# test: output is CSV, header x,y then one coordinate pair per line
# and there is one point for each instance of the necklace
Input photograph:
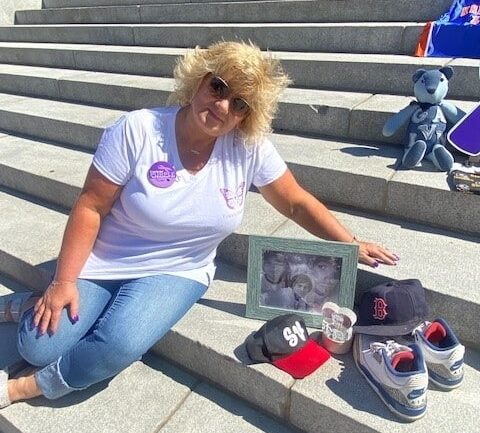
x,y
194,151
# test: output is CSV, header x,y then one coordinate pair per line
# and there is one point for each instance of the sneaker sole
x,y
442,385
379,393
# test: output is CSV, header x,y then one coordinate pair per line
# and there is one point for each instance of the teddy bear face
x,y
431,86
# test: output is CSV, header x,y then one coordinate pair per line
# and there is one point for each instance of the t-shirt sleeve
x,y
269,164
116,153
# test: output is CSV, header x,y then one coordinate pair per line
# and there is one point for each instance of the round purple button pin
x,y
162,174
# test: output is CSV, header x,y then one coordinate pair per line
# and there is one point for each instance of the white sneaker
x,y
397,373
443,353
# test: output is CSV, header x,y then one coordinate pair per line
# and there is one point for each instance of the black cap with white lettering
x,y
284,342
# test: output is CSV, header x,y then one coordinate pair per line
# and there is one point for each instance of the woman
x,y
165,188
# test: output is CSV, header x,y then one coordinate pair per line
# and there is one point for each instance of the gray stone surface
x,y
8,8
140,399
119,35
121,91
371,73
335,396
62,122
85,3
239,12
30,238
209,341
40,170
430,195
357,116
208,410
364,177
317,111
96,15
468,70
155,61
410,38
383,38
324,10
340,172
25,53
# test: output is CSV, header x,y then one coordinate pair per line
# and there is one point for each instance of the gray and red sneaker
x,y
443,353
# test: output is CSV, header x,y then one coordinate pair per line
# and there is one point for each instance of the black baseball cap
x,y
393,308
284,342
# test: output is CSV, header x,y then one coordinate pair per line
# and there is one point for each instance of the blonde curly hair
x,y
252,75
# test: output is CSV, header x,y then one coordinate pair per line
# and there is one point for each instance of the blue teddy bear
x,y
427,119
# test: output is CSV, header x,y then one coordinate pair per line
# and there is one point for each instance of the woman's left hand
x,y
373,255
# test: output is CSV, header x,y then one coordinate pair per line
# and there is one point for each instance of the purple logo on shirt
x,y
162,174
233,199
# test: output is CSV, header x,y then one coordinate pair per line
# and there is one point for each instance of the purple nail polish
x,y
75,319
397,257
375,265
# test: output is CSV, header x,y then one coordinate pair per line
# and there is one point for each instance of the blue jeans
x,y
118,322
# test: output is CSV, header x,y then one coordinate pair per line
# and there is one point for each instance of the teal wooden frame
x,y
347,252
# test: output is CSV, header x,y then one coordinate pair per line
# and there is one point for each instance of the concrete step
x,y
66,123
276,11
209,342
334,398
328,169
149,395
388,74
380,38
52,4
346,115
30,238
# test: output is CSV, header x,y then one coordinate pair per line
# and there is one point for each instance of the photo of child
x,y
274,283
299,282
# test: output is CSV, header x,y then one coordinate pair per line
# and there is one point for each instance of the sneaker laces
x,y
421,327
390,347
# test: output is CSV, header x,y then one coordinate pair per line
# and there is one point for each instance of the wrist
x,y
57,282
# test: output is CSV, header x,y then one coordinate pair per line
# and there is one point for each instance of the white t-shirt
x,y
167,220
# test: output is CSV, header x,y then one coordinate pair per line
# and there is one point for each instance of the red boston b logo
x,y
379,309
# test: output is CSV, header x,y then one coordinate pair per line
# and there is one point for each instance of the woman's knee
x,y
36,354
35,349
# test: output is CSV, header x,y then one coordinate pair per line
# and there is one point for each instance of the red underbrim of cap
x,y
303,362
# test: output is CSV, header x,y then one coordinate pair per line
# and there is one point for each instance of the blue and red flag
x,y
455,34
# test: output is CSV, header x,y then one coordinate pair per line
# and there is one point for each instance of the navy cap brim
x,y
388,330
254,347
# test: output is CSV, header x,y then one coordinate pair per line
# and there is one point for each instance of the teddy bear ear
x,y
447,71
418,73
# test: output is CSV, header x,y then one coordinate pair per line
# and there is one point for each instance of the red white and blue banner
x,y
455,34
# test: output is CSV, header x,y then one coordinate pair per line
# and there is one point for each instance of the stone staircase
x,y
75,66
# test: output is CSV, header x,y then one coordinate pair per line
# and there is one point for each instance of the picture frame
x,y
299,276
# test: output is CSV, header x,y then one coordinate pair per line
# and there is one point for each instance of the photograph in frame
x,y
299,276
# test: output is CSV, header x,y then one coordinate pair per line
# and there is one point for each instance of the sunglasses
x,y
220,89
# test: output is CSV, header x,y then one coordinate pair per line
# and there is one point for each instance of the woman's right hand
x,y
49,307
